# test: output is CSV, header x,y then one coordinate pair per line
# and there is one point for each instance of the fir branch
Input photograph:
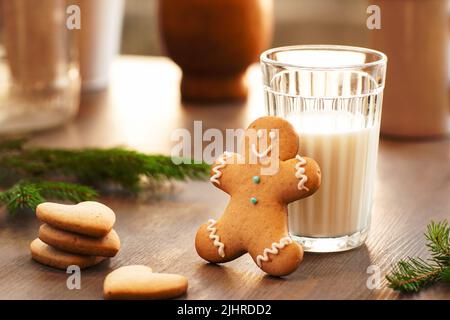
x,y
438,241
92,166
413,274
21,196
445,274
13,144
27,195
29,174
65,191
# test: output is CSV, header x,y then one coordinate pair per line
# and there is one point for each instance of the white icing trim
x,y
260,133
262,154
276,247
213,236
300,173
222,164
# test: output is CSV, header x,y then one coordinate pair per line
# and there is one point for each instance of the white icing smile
x,y
263,154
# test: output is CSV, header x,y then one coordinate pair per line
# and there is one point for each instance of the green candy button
x,y
253,200
256,179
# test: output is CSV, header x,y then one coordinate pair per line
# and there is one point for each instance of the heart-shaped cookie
x,y
139,282
108,246
88,218
52,257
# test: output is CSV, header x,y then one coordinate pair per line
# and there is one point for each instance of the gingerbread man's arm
x,y
223,170
300,176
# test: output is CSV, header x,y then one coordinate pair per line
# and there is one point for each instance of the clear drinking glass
x,y
39,78
332,95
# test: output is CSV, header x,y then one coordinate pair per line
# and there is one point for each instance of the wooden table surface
x,y
140,110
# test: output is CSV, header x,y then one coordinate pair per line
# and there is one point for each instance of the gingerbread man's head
x,y
266,134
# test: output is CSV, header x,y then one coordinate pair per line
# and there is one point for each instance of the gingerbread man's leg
x,y
213,243
278,257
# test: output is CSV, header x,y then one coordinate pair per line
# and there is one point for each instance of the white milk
x,y
346,152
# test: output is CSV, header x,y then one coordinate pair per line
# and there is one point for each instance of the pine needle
x,y
20,197
413,274
27,195
65,191
116,165
437,236
27,175
445,274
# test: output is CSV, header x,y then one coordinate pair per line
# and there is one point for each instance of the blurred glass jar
x,y
39,77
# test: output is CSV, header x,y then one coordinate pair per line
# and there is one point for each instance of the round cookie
x,y
139,282
108,246
43,253
89,218
255,220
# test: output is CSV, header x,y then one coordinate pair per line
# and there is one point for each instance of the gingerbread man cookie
x,y
255,220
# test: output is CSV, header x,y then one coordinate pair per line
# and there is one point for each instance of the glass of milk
x,y
332,95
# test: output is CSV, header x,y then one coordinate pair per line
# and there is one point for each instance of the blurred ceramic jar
x,y
413,35
214,42
39,78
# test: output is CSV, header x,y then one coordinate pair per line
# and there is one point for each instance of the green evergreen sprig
x,y
438,241
29,176
25,195
412,274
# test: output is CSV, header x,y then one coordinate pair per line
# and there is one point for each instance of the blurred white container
x,y
101,29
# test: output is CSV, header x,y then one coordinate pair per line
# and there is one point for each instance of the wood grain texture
x,y
140,110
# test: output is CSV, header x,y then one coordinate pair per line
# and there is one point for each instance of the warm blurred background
x,y
296,22
214,44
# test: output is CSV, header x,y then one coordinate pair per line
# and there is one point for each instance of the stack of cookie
x,y
80,235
